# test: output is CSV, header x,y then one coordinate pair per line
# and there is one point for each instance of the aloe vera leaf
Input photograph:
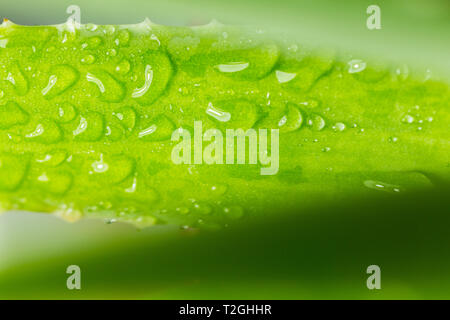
x,y
95,107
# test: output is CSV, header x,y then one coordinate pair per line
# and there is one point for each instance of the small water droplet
x,y
408,119
148,74
182,210
111,89
123,67
61,79
233,67
339,126
47,131
89,59
90,127
220,115
157,129
356,65
381,186
66,113
234,212
316,122
11,114
100,166
393,139
284,77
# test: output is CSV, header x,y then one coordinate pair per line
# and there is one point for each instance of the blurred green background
x,y
320,252
412,30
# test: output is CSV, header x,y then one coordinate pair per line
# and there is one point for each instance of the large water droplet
x,y
232,67
123,37
292,120
111,89
90,127
339,126
123,67
381,186
408,119
53,158
113,169
127,117
61,78
158,129
316,122
356,65
283,77
66,113
88,59
12,114
220,115
17,79
153,77
234,212
12,171
55,182
46,131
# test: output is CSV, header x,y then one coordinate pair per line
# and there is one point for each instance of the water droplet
x,y
109,29
402,72
53,158
283,77
91,27
408,119
139,92
47,131
12,171
90,127
111,52
233,67
55,182
339,126
100,166
113,169
153,76
110,221
123,67
15,138
182,210
234,212
310,103
89,59
356,65
113,132
218,114
62,78
202,208
381,186
219,189
393,139
17,79
123,38
158,129
11,115
66,113
133,186
111,89
127,117
316,122
292,120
